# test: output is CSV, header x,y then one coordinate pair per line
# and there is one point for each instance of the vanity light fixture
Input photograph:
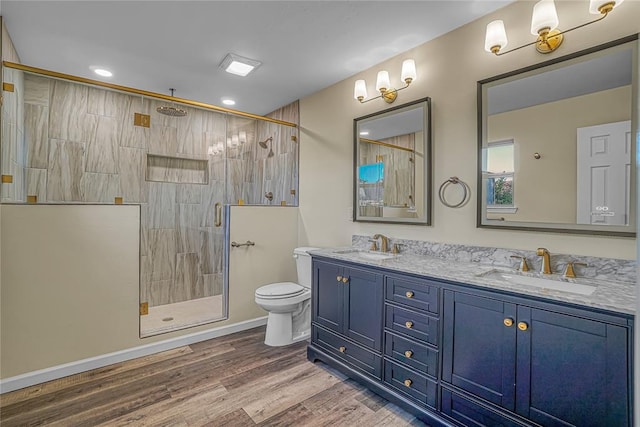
x,y
239,65
383,84
242,137
544,24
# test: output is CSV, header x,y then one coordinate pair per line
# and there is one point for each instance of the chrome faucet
x,y
546,260
384,242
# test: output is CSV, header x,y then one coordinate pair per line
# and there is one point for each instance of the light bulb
x,y
544,17
408,71
382,82
360,90
496,37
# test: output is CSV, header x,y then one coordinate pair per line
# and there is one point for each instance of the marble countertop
x,y
619,297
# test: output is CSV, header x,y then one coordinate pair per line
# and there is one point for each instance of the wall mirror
x,y
392,165
555,144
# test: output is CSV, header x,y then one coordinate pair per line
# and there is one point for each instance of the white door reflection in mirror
x,y
604,166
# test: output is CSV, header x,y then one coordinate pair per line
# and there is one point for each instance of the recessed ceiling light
x,y
239,65
364,133
103,72
227,101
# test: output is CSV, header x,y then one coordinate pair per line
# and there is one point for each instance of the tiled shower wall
x,y
80,145
252,174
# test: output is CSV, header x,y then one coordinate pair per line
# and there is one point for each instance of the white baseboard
x,y
60,371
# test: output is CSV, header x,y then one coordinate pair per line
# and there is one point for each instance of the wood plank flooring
x,y
234,381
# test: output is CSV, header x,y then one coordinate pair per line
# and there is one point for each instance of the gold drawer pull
x,y
408,354
409,325
508,322
523,326
409,294
339,278
342,349
408,383
345,279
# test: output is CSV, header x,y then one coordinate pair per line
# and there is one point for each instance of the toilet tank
x,y
303,265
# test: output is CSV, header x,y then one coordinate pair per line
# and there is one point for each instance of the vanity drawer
x,y
409,382
470,413
348,351
410,352
412,323
416,293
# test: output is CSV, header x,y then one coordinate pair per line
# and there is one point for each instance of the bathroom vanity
x,y
454,346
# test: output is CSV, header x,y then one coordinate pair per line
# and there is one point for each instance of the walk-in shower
x,y
88,144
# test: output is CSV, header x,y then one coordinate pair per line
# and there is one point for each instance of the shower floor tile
x,y
168,317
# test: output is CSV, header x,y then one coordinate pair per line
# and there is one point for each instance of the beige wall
x,y
448,70
70,279
270,260
545,189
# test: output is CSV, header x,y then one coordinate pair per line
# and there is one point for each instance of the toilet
x,y
288,304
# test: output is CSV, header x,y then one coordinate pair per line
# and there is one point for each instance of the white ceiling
x,y
304,46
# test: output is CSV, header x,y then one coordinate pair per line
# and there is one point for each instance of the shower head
x,y
171,110
263,144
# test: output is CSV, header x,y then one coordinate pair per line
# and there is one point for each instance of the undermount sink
x,y
557,283
376,255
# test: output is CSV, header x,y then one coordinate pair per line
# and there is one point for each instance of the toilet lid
x,y
280,290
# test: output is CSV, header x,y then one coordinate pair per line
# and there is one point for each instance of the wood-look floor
x,y
233,381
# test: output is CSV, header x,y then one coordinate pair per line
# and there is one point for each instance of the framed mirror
x,y
555,144
392,165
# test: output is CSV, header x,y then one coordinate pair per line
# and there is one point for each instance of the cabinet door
x,y
328,295
478,348
363,307
571,371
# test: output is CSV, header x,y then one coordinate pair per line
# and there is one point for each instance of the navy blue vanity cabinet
x,y
347,314
412,338
554,366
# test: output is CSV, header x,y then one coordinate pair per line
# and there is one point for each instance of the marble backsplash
x,y
597,268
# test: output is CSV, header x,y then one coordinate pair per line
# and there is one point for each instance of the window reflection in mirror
x,y
391,172
555,144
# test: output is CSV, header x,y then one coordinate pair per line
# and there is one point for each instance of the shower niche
x,y
80,143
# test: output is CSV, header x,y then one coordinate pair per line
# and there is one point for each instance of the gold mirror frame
x,y
558,227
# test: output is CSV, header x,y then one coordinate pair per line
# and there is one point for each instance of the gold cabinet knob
x,y
342,349
508,322
409,325
339,278
409,294
523,326
408,383
345,279
408,354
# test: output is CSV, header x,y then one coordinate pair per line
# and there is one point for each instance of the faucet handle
x,y
374,245
396,248
523,262
569,271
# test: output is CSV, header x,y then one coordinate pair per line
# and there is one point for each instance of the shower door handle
x,y
247,243
218,219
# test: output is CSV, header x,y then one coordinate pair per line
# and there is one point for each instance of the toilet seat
x,y
280,290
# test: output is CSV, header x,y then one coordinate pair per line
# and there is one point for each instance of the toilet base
x,y
279,330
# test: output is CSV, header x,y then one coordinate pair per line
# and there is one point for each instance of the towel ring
x,y
465,189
